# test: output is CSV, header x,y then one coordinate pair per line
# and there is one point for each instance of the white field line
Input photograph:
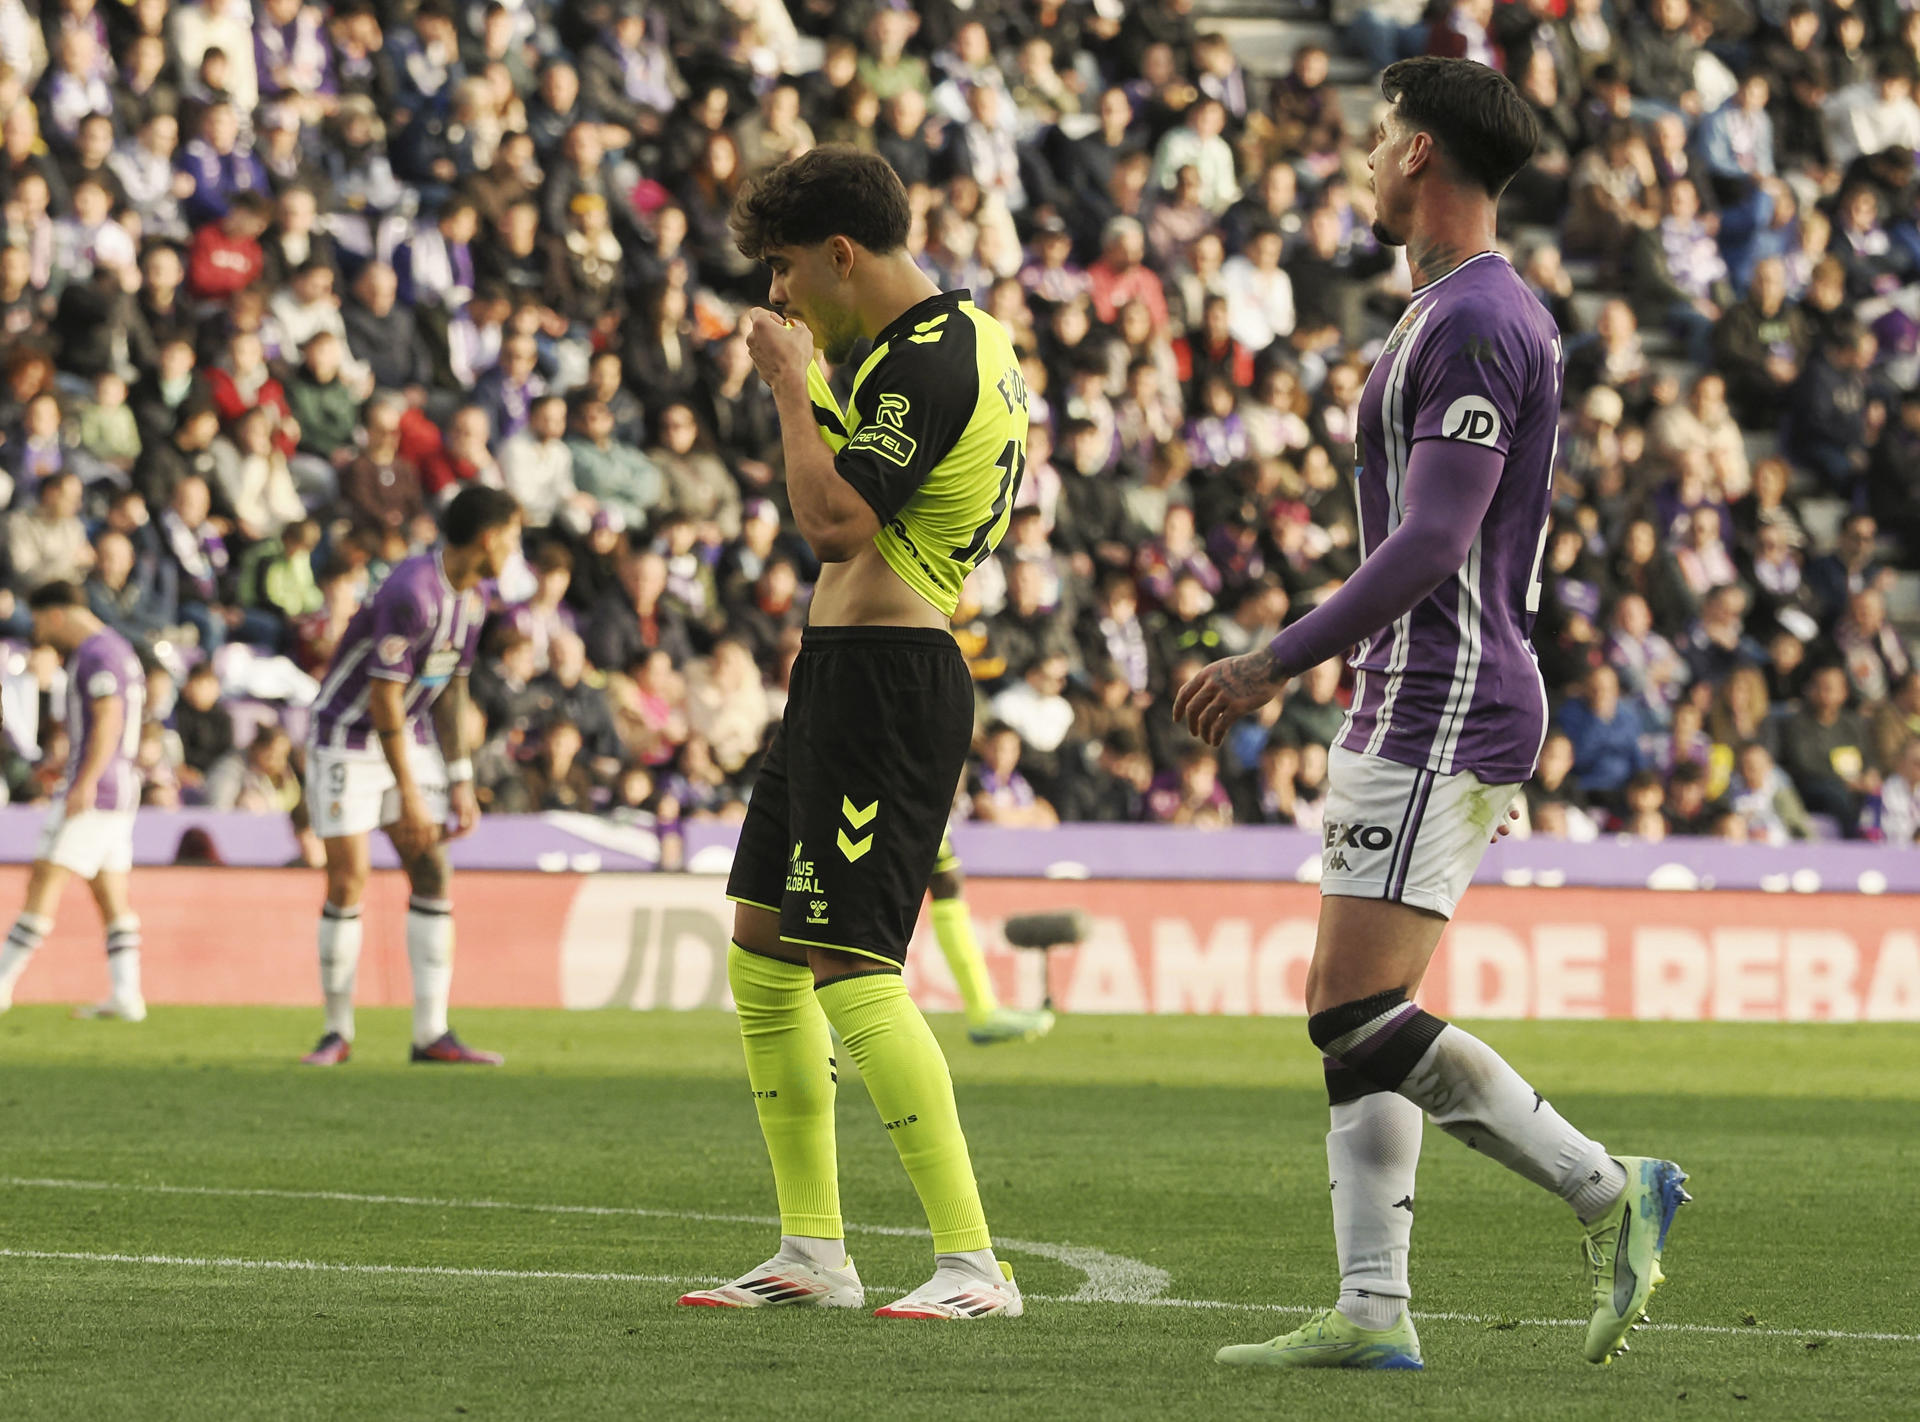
x,y
1094,1291
1110,1278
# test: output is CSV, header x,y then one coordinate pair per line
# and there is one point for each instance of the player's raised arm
x,y
834,519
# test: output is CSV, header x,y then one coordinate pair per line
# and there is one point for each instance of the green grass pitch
x,y
1188,1146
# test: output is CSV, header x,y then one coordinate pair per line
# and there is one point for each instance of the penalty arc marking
x,y
1111,1278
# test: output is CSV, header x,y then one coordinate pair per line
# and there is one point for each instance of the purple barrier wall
x,y
562,843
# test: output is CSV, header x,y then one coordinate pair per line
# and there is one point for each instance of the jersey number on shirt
x,y
136,702
1012,465
1553,462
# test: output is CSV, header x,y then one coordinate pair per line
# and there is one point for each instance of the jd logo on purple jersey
x,y
1341,836
1472,419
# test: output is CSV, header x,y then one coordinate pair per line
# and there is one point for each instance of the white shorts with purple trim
x,y
1405,834
92,841
352,792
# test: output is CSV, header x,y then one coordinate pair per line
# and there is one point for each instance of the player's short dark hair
x,y
475,511
830,191
1473,112
56,594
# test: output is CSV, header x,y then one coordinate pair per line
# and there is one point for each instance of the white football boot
x,y
115,1009
787,1279
960,1290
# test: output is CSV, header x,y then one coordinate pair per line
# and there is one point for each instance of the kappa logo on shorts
x,y
1339,836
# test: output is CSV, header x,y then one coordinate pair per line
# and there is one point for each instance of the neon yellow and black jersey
x,y
934,438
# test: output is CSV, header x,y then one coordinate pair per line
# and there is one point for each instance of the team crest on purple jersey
x,y
1453,685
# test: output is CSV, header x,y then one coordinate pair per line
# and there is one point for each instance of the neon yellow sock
x,y
790,1066
907,1078
953,926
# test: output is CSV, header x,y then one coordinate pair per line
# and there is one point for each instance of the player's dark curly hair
x,y
1473,112
56,594
830,191
474,511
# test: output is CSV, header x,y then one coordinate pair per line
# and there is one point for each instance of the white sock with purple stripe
x,y
123,958
29,931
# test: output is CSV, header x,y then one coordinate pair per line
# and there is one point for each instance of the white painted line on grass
x,y
1111,1278
317,1266
1491,1319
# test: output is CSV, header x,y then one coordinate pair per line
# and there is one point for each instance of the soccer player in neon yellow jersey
x,y
851,801
1457,432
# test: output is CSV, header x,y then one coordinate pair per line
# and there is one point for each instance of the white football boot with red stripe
x,y
960,1290
787,1279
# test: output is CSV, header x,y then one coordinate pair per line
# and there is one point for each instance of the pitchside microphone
x,y
1048,930
1062,928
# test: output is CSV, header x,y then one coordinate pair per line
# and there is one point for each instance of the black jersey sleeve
x,y
908,412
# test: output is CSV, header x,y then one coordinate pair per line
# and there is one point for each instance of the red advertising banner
x,y
657,940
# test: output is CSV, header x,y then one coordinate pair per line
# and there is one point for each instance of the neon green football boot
x,y
1010,1024
1331,1340
1623,1250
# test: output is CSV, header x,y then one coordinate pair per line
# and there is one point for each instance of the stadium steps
x,y
1822,514
1264,46
1903,598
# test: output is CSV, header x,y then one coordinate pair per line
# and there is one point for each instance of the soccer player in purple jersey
x,y
89,831
373,764
1455,465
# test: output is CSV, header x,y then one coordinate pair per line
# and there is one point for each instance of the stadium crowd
x,y
276,280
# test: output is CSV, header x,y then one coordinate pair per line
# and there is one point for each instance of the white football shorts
x,y
352,792
1398,832
91,841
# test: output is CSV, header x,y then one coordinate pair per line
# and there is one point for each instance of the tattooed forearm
x,y
449,714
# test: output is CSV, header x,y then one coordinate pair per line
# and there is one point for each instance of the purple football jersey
x,y
1453,685
414,629
106,666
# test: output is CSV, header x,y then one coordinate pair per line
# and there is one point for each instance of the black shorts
x,y
852,799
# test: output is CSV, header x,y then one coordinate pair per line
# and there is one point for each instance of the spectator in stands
x,y
46,541
1605,733
1120,275
1876,657
631,620
537,465
1825,748
1761,345
253,479
698,482
1831,418
1762,795
1900,800
1868,117
1854,566
999,793
382,335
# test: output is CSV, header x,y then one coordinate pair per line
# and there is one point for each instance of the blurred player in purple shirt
x,y
373,762
89,830
1455,470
